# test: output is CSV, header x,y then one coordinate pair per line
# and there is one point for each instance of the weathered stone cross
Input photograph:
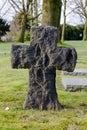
x,y
43,57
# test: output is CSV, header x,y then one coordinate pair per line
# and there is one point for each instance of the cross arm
x,y
64,58
22,56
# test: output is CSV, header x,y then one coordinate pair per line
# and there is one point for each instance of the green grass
x,y
13,90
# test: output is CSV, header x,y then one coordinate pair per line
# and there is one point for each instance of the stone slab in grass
x,y
81,72
2,53
74,84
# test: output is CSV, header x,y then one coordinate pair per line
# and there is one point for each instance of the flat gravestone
x,y
81,72
74,84
2,53
43,57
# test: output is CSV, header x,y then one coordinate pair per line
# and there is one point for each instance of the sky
x,y
8,14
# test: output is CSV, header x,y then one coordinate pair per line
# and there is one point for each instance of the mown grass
x,y
13,90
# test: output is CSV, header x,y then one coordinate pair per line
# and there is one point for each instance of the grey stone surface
x,y
2,53
81,72
43,57
74,84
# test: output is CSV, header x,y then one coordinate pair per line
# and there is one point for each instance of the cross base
x,y
42,90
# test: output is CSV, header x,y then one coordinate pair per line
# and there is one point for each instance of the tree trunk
x,y
24,21
35,12
23,28
85,31
31,12
0,39
45,15
51,12
64,24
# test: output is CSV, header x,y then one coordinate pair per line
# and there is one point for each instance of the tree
x,y
64,15
36,12
4,27
21,8
85,31
25,9
80,8
51,12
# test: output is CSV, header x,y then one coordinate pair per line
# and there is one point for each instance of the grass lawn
x,y
13,90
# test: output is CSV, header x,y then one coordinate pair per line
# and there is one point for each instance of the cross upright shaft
x,y
43,57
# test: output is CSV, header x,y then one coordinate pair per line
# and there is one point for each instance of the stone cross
x,y
43,57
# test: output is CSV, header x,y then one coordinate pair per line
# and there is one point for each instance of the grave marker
x,y
43,57
81,72
74,84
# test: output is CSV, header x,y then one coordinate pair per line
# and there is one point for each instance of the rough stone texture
x,y
43,57
74,84
81,72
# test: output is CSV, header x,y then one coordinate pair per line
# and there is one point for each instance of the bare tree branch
x,y
23,5
6,11
3,5
27,5
14,5
35,17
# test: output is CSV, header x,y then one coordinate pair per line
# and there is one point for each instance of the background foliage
x,y
73,32
4,27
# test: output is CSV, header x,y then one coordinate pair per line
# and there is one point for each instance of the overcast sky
x,y
8,14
